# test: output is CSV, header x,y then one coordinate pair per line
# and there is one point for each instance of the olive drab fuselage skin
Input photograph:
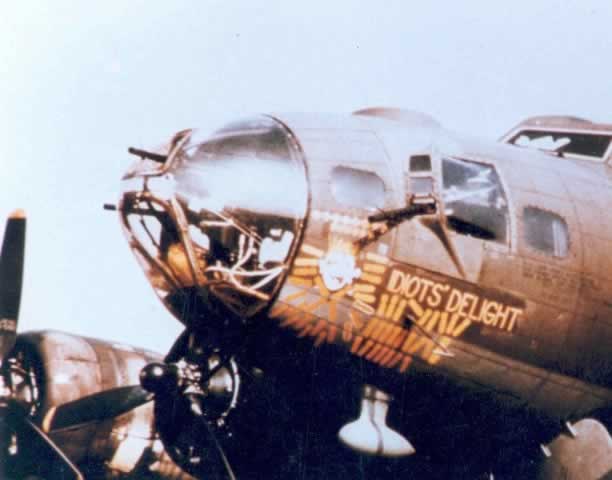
x,y
521,313
388,240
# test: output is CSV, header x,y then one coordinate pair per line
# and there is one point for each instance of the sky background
x,y
80,82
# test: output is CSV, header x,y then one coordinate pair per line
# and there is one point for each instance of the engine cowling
x,y
50,368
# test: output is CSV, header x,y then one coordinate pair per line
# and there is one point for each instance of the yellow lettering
x,y
474,307
409,341
356,319
391,307
398,337
381,333
382,354
423,319
365,348
489,313
435,358
384,299
370,327
399,311
305,271
372,353
452,324
387,357
424,345
364,298
300,282
412,287
466,303
363,307
416,308
433,321
435,298
501,317
395,281
461,327
515,313
394,360
454,301
427,284
374,268
442,324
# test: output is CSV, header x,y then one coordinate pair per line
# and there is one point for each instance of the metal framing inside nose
x,y
237,212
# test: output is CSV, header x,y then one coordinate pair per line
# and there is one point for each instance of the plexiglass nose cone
x,y
216,226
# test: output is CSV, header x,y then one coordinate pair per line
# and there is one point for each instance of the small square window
x,y
546,231
420,163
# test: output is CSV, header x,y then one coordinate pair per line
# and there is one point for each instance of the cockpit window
x,y
589,146
546,231
474,200
357,188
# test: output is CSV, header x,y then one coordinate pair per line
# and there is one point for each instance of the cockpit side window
x,y
357,188
474,200
587,146
546,232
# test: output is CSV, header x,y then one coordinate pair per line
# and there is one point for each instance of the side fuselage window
x,y
474,200
357,188
546,232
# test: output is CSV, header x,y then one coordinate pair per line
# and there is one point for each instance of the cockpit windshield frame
x,y
556,135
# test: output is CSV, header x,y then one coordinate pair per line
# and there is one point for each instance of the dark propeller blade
x,y
196,408
96,407
5,442
44,457
25,450
11,277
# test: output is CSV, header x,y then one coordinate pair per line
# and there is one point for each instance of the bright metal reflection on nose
x,y
223,220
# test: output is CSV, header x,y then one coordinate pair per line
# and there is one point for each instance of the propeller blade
x,y
5,441
42,456
196,408
11,278
96,407
26,450
221,452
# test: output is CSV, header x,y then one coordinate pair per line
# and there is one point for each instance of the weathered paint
x,y
534,313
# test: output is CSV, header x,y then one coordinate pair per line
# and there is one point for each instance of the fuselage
x,y
505,286
530,315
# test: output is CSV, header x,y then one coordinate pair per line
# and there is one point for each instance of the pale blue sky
x,y
80,82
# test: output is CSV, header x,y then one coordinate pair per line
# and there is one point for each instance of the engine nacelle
x,y
68,367
52,368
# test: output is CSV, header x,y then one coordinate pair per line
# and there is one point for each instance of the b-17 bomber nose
x,y
216,221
